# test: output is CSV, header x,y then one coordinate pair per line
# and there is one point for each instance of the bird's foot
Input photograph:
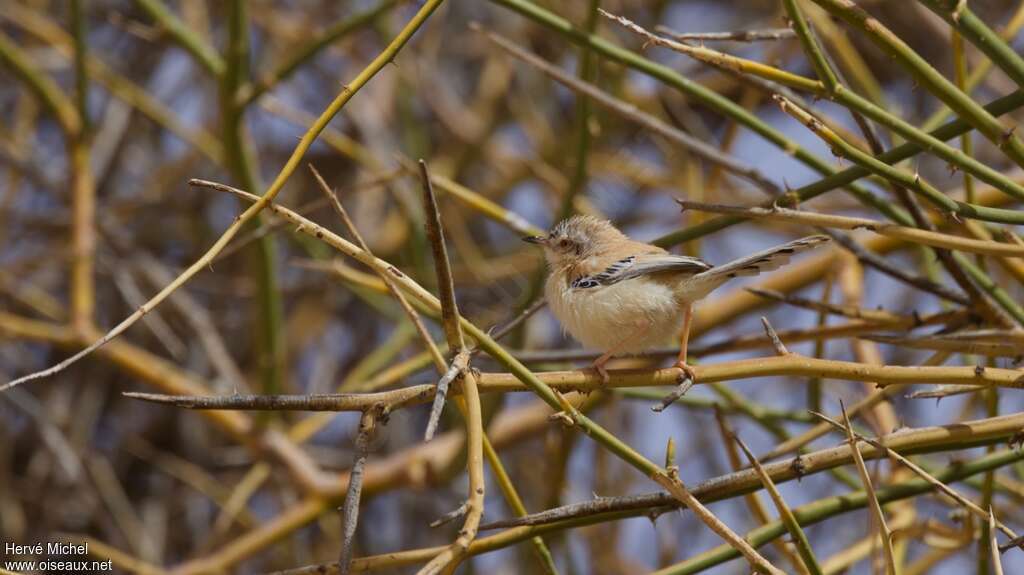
x,y
688,372
598,366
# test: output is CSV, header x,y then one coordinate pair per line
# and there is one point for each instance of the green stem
x,y
41,85
672,78
961,17
250,92
810,44
928,77
583,111
980,71
834,90
910,181
948,131
515,502
832,506
988,285
81,46
239,155
184,36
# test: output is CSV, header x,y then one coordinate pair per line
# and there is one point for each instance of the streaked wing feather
x,y
766,260
641,265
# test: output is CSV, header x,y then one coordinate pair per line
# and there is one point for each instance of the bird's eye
x,y
563,243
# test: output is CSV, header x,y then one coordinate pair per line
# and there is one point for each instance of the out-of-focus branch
x,y
913,235
251,91
184,36
304,144
691,144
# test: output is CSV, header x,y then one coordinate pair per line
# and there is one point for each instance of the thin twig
x,y
803,546
306,402
919,471
941,391
450,558
446,286
735,36
757,508
452,515
458,367
679,391
870,258
952,343
845,310
876,507
417,322
993,546
1015,542
342,98
915,235
780,348
449,307
350,508
693,145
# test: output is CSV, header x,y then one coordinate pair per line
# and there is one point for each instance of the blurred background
x,y
99,163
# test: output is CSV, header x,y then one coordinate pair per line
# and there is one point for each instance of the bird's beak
x,y
540,240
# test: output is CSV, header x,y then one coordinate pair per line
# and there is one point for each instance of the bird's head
x,y
577,238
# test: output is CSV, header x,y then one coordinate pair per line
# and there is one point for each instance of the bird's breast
x,y
641,310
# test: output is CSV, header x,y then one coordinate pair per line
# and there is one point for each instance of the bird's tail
x,y
754,264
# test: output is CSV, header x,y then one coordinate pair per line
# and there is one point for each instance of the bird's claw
x,y
688,371
601,372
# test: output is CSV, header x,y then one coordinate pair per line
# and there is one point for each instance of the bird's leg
x,y
598,365
685,338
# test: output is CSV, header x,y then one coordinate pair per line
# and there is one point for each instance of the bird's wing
x,y
764,261
640,265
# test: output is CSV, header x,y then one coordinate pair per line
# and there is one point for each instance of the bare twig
x,y
919,471
310,402
459,366
753,501
450,558
339,101
414,317
452,515
940,391
711,490
803,546
350,508
680,390
914,235
1006,348
693,145
736,36
780,348
870,258
1015,542
994,559
876,507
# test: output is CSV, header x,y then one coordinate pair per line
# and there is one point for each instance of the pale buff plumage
x,y
621,296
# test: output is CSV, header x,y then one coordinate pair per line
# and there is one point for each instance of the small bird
x,y
623,296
